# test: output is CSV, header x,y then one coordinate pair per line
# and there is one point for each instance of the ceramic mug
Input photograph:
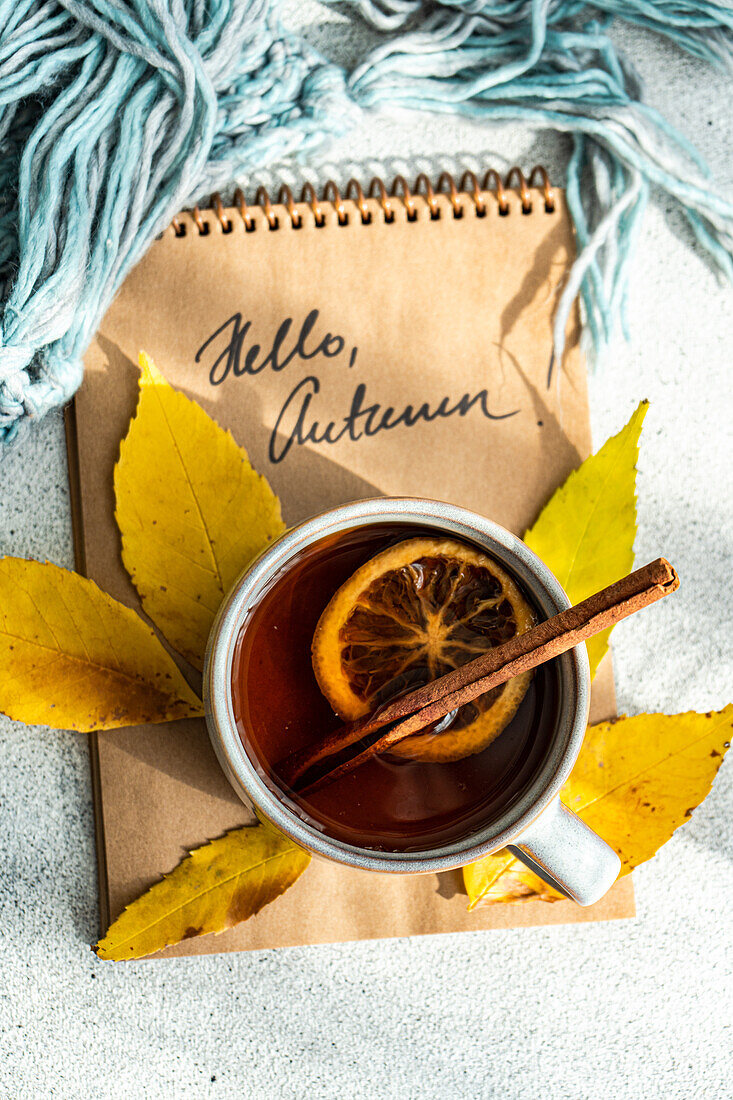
x,y
542,832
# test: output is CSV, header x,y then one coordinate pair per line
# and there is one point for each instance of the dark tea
x,y
391,802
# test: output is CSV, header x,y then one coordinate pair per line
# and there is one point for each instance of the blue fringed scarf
x,y
115,114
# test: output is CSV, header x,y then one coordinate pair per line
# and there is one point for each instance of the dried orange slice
x,y
411,614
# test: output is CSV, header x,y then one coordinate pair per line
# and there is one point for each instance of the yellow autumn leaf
x,y
585,533
71,657
636,781
191,511
212,889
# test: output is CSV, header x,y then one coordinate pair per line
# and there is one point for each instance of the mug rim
x,y
247,780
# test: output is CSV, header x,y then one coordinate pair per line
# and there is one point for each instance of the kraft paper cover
x,y
448,318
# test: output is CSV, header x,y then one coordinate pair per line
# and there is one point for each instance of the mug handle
x,y
568,855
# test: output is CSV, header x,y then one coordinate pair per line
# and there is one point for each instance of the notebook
x,y
297,325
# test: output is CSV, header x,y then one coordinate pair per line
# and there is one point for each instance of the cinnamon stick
x,y
426,705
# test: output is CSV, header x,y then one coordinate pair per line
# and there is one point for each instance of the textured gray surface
x,y
641,1008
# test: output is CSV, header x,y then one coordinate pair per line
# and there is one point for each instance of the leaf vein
x,y
190,486
599,496
651,767
169,913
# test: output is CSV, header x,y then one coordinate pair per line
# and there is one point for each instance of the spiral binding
x,y
400,193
